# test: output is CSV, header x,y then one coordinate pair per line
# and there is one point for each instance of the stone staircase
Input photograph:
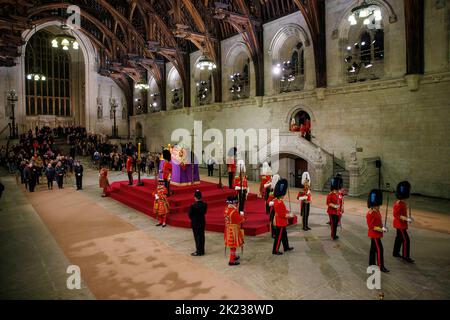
x,y
338,168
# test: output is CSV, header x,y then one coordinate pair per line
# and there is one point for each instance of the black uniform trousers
x,y
402,240
210,170
376,253
334,220
242,198
79,180
199,237
281,237
130,177
305,214
230,179
167,185
272,227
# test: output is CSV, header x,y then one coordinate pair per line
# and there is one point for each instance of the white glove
x,y
241,213
410,219
156,197
271,203
237,188
303,198
336,206
384,229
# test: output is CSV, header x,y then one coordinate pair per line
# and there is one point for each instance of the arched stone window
x,y
175,87
291,53
290,74
237,74
154,95
240,78
301,122
203,85
52,96
364,49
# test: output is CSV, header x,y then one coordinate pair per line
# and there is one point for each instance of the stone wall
x,y
408,130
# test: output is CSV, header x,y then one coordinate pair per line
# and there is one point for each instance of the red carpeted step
x,y
141,198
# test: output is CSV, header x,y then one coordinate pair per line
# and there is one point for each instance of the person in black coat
x,y
59,170
78,169
50,174
197,213
32,177
26,176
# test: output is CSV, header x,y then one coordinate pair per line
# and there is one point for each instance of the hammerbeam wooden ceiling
x,y
135,36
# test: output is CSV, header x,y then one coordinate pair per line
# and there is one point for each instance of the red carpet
x,y
141,198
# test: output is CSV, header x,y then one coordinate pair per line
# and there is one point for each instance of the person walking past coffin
x,y
59,172
50,175
78,170
197,213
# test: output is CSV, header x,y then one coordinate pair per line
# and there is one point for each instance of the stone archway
x,y
291,145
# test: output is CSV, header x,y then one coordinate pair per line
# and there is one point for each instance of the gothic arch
x,y
89,56
386,9
293,111
234,52
283,34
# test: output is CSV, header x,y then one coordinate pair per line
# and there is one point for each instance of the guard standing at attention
x,y
376,229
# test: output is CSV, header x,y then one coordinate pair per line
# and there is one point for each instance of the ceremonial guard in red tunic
x,y
305,200
401,220
161,205
376,229
341,195
269,204
265,178
241,184
234,233
281,218
167,170
333,206
129,168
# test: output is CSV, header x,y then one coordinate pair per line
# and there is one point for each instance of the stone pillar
x,y
353,169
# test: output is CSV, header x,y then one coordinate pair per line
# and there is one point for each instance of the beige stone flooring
x,y
318,268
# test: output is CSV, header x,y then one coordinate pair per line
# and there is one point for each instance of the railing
x,y
3,130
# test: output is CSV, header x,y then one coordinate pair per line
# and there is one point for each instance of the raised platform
x,y
141,199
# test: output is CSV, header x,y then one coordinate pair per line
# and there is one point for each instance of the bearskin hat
x,y
281,188
166,155
403,190
375,198
336,183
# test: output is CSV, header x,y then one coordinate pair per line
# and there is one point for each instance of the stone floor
x,y
33,266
